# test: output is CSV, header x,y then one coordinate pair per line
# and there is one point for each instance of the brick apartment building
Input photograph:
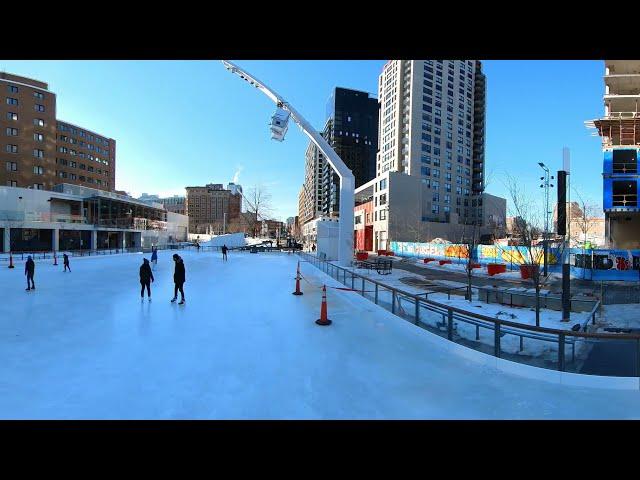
x,y
39,151
210,207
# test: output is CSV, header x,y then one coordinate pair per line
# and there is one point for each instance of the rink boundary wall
x,y
515,368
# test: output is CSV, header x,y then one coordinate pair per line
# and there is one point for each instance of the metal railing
x,y
502,338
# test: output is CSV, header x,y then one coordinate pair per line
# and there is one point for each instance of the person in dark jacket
x,y
65,260
154,255
29,271
179,277
224,252
146,277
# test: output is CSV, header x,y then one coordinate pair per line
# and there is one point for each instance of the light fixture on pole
x,y
545,243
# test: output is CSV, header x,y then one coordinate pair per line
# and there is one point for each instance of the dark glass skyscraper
x,y
352,131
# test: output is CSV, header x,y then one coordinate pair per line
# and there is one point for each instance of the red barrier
x,y
444,262
494,268
361,256
427,260
381,253
528,271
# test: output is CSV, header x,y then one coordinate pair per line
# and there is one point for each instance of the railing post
x,y
363,286
417,315
450,324
353,279
496,340
376,295
561,352
477,332
393,301
638,357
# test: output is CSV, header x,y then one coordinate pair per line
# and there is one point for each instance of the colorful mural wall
x,y
587,264
482,253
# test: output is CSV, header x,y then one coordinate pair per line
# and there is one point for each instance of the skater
x,y
179,278
154,255
146,277
29,270
65,260
224,252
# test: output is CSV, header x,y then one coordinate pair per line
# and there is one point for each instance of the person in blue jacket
x,y
154,255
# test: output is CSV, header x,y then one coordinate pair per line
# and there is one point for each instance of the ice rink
x,y
83,346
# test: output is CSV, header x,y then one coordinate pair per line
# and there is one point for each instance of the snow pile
x,y
230,240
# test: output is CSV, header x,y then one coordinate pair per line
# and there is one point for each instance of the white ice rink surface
x,y
82,346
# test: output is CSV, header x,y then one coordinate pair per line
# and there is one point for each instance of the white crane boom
x,y
347,180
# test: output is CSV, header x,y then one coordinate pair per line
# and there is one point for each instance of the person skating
x,y
29,271
146,277
65,260
224,252
154,255
179,278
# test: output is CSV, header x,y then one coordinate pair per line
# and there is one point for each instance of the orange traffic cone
x,y
11,260
298,292
55,259
323,320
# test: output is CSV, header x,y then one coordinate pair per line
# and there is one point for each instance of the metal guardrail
x,y
451,317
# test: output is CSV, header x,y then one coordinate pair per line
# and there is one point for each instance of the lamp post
x,y
546,185
347,180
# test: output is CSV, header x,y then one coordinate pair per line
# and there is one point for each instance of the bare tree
x,y
258,205
586,219
527,226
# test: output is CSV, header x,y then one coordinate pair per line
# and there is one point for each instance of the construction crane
x,y
279,125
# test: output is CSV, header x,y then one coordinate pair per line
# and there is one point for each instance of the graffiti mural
x,y
483,253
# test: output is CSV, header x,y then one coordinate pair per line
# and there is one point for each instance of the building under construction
x,y
619,130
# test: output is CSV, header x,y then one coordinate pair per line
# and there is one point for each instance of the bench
x,y
382,266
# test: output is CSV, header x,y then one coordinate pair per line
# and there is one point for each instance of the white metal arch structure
x,y
347,180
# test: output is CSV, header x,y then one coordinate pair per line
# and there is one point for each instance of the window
x,y
38,153
12,101
425,170
12,116
72,176
72,164
39,95
12,167
12,132
12,183
38,137
38,186
12,88
90,168
383,214
82,166
39,108
383,184
12,148
63,150
383,199
39,122
38,170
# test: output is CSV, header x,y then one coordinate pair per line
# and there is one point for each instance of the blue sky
x,y
181,123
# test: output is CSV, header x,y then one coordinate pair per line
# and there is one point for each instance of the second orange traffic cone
x,y
298,291
323,320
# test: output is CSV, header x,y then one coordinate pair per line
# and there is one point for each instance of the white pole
x,y
347,180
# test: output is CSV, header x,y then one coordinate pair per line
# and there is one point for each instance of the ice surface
x,y
83,346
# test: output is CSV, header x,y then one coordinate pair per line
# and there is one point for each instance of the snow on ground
x,y
509,343
625,315
83,346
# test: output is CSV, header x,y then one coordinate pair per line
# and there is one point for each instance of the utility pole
x,y
546,185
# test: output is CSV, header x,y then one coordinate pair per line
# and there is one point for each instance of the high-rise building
x,y
210,207
38,151
175,204
351,129
619,129
432,133
237,189
310,199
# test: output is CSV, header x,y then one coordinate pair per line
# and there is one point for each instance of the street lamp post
x,y
546,185
347,180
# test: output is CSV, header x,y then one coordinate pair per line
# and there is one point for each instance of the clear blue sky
x,y
180,123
